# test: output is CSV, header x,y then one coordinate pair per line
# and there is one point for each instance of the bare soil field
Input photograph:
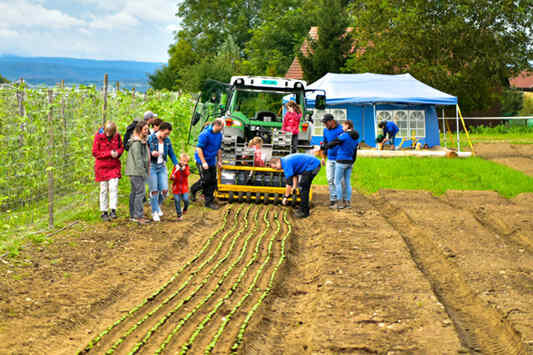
x,y
399,273
516,156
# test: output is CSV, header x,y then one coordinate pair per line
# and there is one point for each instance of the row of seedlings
x,y
135,309
254,257
236,308
244,325
207,318
185,284
174,310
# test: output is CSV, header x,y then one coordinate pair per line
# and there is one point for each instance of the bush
x,y
527,105
511,101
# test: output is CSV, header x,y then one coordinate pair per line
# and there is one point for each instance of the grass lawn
x,y
435,174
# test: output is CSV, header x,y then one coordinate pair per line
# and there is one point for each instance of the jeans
x,y
136,196
158,184
108,194
305,188
294,143
330,174
343,173
207,183
177,202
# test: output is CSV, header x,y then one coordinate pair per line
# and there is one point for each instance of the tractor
x,y
251,107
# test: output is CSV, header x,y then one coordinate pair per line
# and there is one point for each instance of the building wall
x,y
363,119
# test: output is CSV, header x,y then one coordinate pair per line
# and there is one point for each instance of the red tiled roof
x,y
523,81
296,71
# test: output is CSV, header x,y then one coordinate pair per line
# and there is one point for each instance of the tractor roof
x,y
266,82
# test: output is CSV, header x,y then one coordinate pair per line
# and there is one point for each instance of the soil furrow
x,y
97,343
201,281
259,304
481,327
121,333
255,279
179,326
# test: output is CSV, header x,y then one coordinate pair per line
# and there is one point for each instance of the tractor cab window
x,y
260,105
210,105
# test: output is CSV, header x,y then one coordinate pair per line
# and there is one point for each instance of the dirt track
x,y
516,156
401,272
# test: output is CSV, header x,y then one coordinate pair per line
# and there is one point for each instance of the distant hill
x,y
48,71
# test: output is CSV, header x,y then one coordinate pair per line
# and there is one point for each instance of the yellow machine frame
x,y
225,190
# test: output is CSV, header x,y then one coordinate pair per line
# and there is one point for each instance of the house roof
x,y
523,81
295,70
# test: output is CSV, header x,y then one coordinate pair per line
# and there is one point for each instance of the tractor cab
x,y
253,107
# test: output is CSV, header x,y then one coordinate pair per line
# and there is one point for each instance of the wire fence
x,y
47,167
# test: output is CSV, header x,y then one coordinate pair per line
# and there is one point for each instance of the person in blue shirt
x,y
347,144
332,131
294,165
160,150
390,129
208,156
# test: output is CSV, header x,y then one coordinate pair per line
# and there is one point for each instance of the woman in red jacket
x,y
107,149
291,122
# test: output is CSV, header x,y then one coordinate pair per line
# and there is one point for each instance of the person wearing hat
x,y
332,130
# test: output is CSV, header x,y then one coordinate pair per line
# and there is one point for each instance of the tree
x,y
163,78
467,48
329,52
3,80
275,42
206,24
221,67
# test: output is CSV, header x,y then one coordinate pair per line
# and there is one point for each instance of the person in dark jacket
x,y
332,131
294,165
208,156
138,168
347,144
160,149
107,149
390,129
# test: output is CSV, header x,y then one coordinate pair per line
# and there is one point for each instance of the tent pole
x,y
375,122
457,128
444,129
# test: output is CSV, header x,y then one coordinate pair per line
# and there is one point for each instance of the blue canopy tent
x,y
367,99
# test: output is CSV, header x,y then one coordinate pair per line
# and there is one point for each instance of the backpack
x,y
129,132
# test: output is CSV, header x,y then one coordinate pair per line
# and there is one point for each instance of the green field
x,y
436,175
511,134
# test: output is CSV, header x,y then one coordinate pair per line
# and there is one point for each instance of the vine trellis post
x,y
50,159
104,108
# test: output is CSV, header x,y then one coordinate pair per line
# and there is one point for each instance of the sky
x,y
92,29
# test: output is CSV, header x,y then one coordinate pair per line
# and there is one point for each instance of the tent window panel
x,y
339,114
417,120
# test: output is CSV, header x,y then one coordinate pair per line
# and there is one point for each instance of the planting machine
x,y
253,107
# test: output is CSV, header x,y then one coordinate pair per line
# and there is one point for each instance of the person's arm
x,y
289,189
323,148
120,149
219,158
98,153
172,155
200,152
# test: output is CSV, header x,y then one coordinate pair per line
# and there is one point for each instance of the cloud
x,y
26,14
114,21
99,29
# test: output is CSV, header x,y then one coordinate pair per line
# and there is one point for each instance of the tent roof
x,y
379,88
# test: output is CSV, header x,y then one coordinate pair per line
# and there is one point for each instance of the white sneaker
x,y
160,212
156,218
